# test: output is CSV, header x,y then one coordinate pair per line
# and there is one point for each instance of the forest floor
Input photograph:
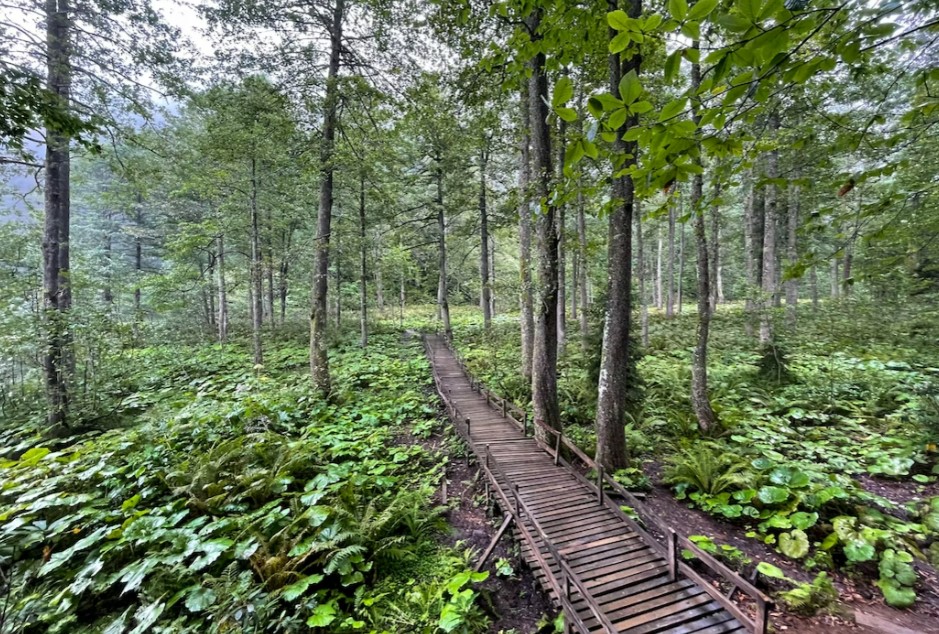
x,y
831,469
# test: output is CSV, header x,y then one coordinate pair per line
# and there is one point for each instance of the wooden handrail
x,y
763,602
570,575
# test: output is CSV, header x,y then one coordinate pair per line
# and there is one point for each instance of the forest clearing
x,y
508,316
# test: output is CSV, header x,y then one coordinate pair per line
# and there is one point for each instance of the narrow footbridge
x,y
598,563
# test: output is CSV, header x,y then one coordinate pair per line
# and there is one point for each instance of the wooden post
x,y
672,555
517,505
600,483
762,617
557,449
525,423
503,408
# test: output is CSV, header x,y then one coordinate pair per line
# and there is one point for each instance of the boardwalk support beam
x,y
495,540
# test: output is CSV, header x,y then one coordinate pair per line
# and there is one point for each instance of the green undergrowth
x,y
798,464
233,501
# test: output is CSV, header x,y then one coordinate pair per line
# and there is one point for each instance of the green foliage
x,y
706,469
811,598
235,499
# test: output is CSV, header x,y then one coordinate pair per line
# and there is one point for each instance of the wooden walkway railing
x,y
606,572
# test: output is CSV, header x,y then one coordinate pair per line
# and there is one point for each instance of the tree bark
x,y
58,360
716,295
769,242
670,292
222,321
615,362
257,290
363,268
813,282
562,256
484,296
750,241
319,361
700,397
681,267
582,252
285,271
108,260
835,281
643,274
443,303
269,269
524,237
138,263
792,255
659,286
545,345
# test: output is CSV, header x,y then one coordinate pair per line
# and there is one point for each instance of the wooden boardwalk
x,y
599,565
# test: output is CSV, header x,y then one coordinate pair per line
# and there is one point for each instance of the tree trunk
x,y
643,274
681,267
545,345
813,282
582,252
835,281
443,303
670,292
524,238
58,360
379,278
717,293
750,240
338,284
615,362
484,299
138,263
269,266
769,243
257,298
562,229
319,362
492,277
285,271
222,292
659,287
108,261
363,268
792,255
700,397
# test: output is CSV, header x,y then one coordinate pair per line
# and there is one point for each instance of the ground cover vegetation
x,y
700,238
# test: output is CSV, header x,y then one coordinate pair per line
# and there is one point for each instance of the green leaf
x,y
672,109
672,65
678,9
618,20
772,495
617,119
734,23
640,107
563,92
568,114
200,598
573,153
794,544
323,615
629,87
895,595
802,520
859,550
701,9
296,589
620,42
770,570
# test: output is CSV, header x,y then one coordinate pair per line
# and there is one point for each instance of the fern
x,y
707,469
810,598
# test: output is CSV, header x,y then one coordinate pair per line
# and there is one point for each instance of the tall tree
x,y
524,235
544,387
612,390
319,361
